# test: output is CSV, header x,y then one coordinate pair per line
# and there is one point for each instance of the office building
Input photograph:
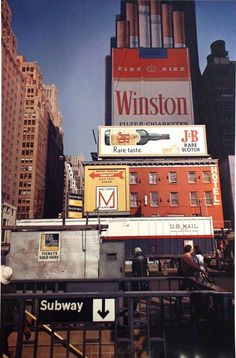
x,y
78,170
152,30
218,114
53,204
31,187
12,111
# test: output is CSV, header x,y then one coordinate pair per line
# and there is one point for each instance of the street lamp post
x,y
200,206
65,209
65,204
99,227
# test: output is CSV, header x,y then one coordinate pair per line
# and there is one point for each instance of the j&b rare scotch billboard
x,y
152,141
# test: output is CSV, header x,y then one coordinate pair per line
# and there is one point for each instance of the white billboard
x,y
152,141
106,197
151,87
165,227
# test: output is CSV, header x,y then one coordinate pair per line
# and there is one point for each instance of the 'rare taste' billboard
x,y
151,87
152,141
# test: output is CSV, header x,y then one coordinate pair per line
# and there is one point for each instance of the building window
x,y
152,178
208,198
172,176
193,198
133,178
192,177
206,177
154,199
133,200
174,199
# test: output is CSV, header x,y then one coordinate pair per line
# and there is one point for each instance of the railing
x,y
161,310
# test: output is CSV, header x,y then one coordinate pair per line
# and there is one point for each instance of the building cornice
x,y
153,162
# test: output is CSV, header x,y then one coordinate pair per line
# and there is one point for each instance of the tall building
x,y
54,181
152,95
218,101
78,170
156,42
31,188
12,111
50,92
218,114
32,134
40,192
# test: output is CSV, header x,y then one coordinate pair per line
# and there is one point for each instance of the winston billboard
x,y
151,87
152,141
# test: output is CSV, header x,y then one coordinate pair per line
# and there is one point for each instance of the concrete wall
x,y
79,256
112,260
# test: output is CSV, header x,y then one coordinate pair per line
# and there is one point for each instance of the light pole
x,y
65,204
99,227
200,205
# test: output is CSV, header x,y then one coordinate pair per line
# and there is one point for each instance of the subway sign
x,y
76,310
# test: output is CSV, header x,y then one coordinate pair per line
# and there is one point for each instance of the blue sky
x,y
70,40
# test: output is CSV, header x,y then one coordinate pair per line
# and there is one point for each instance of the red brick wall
x,y
182,187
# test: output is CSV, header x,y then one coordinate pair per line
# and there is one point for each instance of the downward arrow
x,y
102,312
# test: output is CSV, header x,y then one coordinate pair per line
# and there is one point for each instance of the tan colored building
x,y
78,171
8,219
31,189
50,92
53,205
12,111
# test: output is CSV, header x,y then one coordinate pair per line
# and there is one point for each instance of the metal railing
x,y
142,322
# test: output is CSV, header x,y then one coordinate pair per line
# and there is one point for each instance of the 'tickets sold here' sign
x,y
76,310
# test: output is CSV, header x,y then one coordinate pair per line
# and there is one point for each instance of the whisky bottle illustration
x,y
131,136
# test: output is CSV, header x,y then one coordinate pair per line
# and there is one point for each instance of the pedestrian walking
x,y
188,267
198,258
139,269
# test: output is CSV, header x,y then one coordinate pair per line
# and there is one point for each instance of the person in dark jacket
x,y
139,269
188,267
139,264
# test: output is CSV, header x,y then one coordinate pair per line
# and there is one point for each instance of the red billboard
x,y
151,87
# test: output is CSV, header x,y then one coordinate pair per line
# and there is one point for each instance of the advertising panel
x,y
49,247
151,87
75,206
152,141
106,190
165,227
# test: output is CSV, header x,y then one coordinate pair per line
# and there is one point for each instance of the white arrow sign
x,y
104,310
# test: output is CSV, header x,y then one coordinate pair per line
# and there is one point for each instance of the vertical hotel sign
x,y
216,186
151,87
106,189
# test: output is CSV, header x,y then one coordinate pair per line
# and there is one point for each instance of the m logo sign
x,y
106,197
